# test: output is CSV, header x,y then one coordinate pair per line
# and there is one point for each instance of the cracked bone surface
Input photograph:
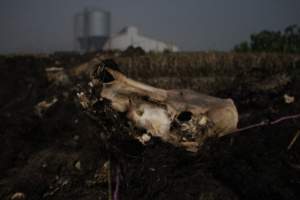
x,y
181,117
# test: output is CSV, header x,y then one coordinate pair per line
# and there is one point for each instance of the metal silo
x,y
79,30
92,29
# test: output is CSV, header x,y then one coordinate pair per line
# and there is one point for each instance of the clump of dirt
x,y
68,153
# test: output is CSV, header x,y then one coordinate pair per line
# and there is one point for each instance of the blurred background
x,y
33,26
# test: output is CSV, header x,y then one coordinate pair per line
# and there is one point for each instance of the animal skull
x,y
181,117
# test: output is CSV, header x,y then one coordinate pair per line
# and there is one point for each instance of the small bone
x,y
144,138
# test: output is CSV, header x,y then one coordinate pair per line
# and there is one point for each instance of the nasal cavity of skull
x,y
185,116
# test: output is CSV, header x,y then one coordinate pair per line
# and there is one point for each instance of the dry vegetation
x,y
212,72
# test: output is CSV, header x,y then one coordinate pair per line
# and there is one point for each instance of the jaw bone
x,y
181,117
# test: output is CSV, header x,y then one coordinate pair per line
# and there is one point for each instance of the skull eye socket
x,y
106,77
101,72
185,116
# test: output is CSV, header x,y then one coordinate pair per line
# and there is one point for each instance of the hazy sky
x,y
47,25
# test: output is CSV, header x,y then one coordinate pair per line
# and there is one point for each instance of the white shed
x,y
130,36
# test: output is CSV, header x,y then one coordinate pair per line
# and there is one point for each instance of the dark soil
x,y
62,154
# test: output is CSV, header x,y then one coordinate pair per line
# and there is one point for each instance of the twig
x,y
109,180
250,127
116,192
285,118
265,123
293,140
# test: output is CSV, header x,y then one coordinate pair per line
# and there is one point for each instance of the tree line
x,y
287,41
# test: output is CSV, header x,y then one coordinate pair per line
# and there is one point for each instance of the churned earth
x,y
51,148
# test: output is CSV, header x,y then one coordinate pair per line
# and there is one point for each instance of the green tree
x,y
287,41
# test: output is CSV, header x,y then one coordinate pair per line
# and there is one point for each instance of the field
x,y
65,153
